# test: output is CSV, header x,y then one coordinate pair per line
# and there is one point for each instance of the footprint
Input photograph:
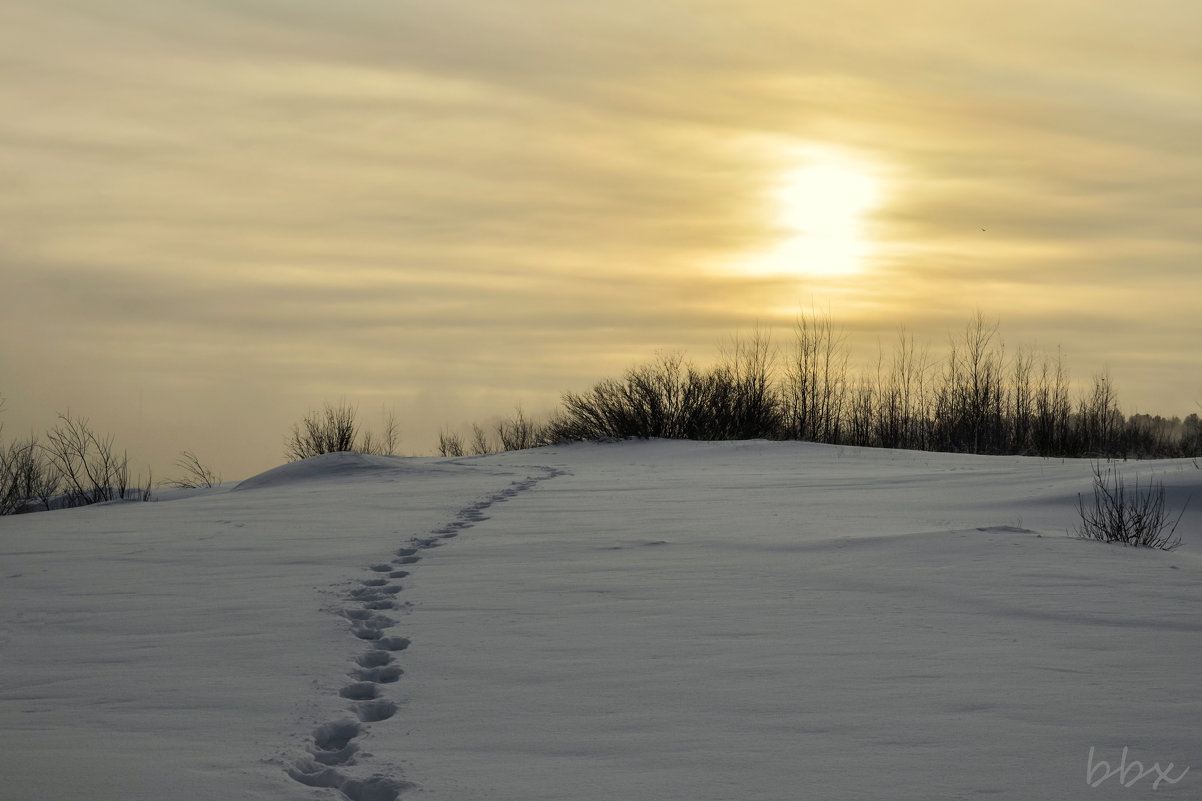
x,y
376,582
370,659
407,560
378,621
387,674
380,568
360,691
375,710
398,574
377,788
369,618
368,634
392,643
343,756
312,773
368,594
406,551
373,627
383,603
336,735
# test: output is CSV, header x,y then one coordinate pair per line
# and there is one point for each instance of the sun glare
x,y
825,200
821,209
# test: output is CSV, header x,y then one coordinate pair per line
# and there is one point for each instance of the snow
x,y
637,620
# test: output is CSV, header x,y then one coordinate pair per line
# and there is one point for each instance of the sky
x,y
217,216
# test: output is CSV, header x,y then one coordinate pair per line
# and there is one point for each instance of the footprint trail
x,y
332,746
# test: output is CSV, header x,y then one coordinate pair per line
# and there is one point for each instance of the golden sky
x,y
217,215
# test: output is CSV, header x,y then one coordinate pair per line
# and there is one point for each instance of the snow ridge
x,y
333,745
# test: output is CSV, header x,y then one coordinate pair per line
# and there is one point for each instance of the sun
x,y
826,200
821,208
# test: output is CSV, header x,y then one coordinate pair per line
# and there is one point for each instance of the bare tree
x,y
899,416
1099,419
815,382
1191,436
1022,400
1053,409
970,402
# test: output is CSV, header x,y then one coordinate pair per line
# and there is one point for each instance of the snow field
x,y
658,620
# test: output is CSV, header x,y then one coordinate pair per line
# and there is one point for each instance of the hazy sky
x,y
217,215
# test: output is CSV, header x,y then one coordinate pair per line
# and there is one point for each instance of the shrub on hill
x,y
195,474
335,428
673,399
71,465
1134,515
980,399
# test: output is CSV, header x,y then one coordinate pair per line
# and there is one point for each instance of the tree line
x,y
978,398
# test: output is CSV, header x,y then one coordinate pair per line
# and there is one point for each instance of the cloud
x,y
516,198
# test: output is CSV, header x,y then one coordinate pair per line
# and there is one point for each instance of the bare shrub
x,y
480,442
335,429
648,402
518,432
28,481
977,399
90,471
384,443
196,475
332,430
449,444
1134,515
745,403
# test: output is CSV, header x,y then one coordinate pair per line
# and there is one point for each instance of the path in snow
x,y
333,743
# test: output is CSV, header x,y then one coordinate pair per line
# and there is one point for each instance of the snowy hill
x,y
639,620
